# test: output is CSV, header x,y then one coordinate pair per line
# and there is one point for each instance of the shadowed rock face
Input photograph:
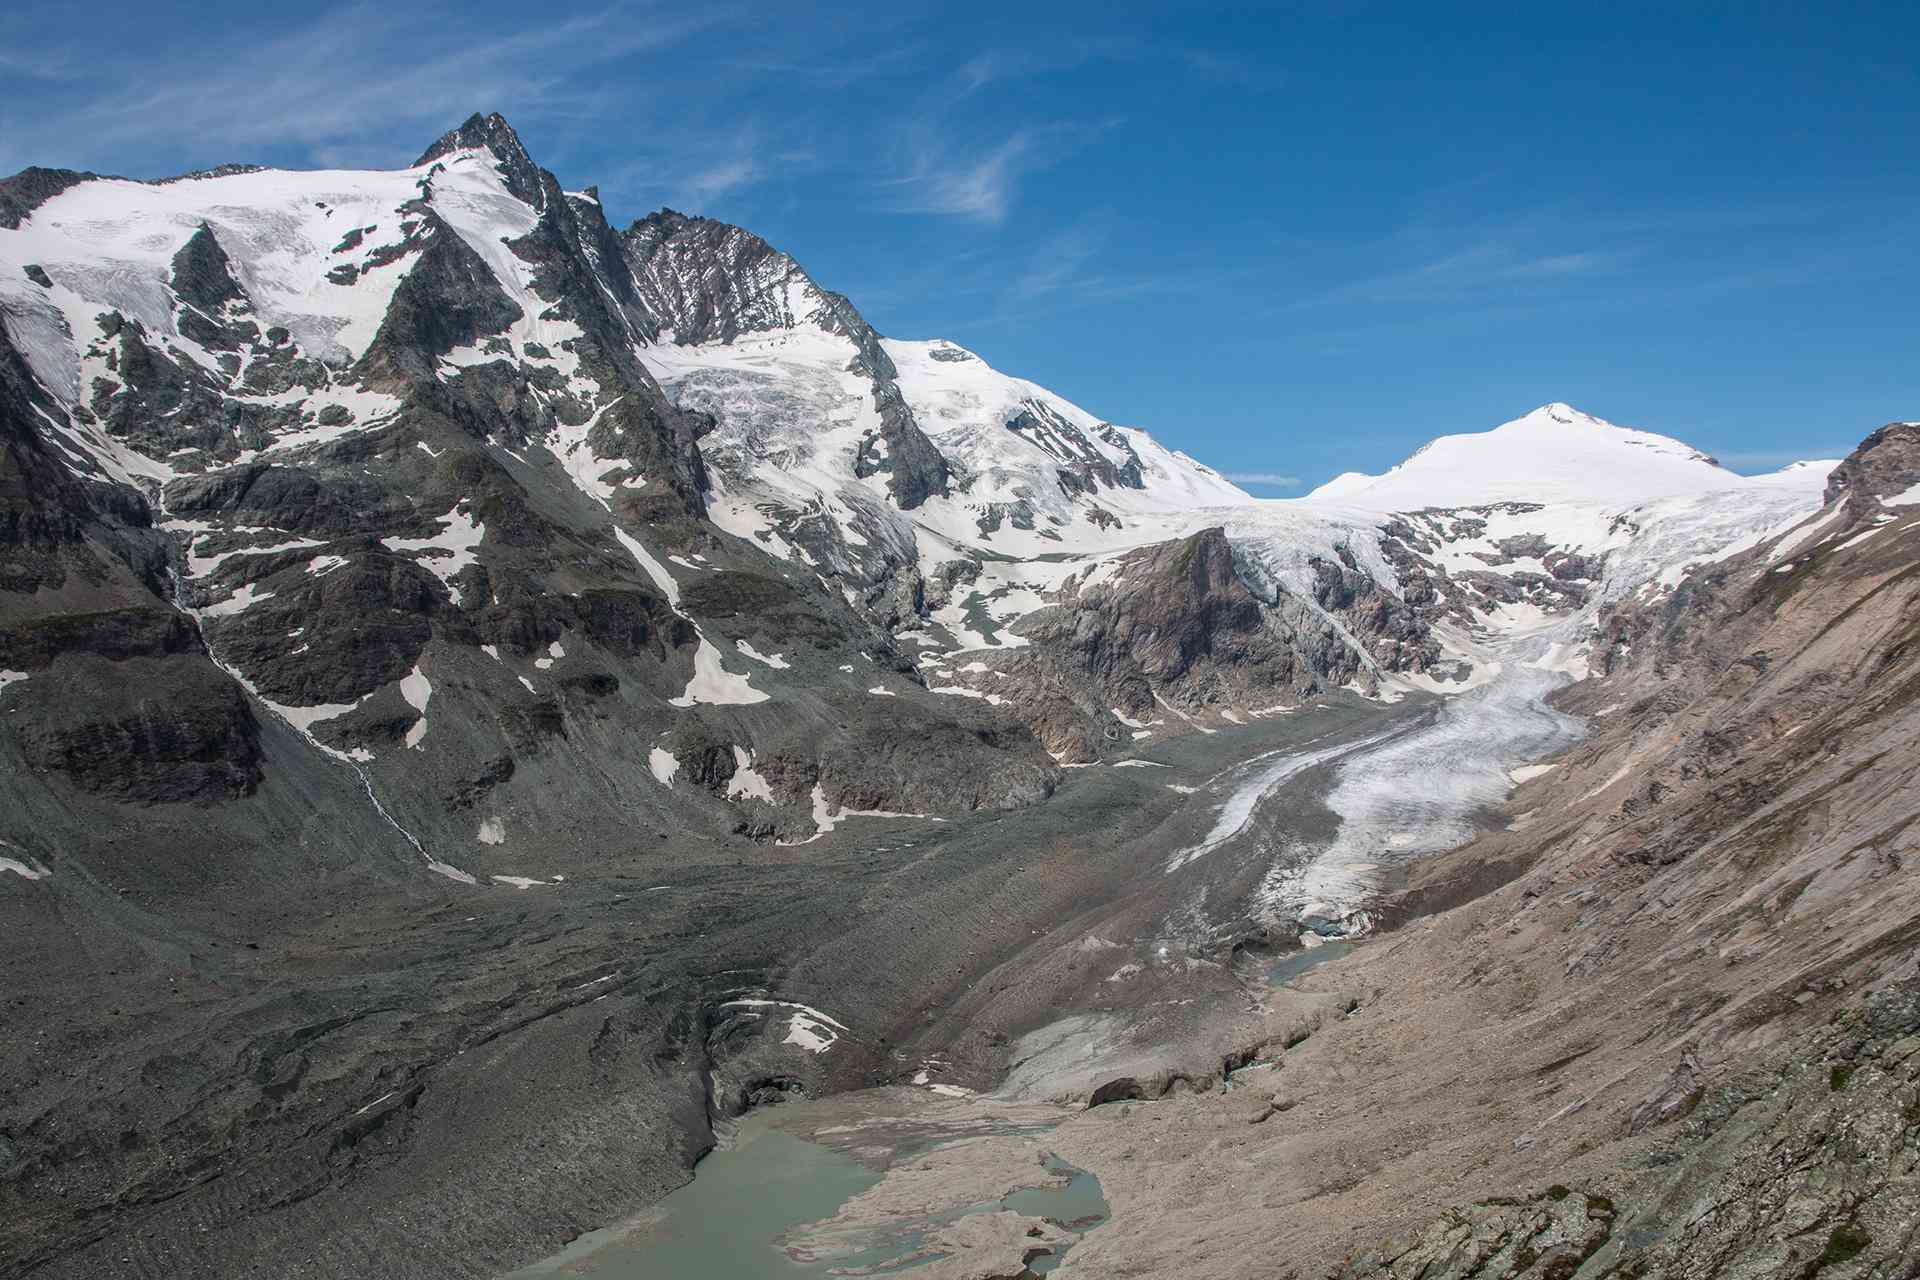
x,y
491,132
202,274
1173,630
192,738
27,190
1172,609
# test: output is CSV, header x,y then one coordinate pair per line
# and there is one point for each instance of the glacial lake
x,y
1295,963
730,1222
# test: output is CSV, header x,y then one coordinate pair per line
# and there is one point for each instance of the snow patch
x,y
1616,776
663,766
1907,497
448,552
807,1027
239,602
714,685
416,689
746,781
774,660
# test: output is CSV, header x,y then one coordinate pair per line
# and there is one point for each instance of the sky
x,y
1292,240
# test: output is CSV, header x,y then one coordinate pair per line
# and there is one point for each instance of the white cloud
x,y
358,80
1274,478
980,185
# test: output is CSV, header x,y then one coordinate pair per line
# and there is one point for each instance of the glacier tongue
x,y
1417,794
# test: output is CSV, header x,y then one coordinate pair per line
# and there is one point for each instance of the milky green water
x,y
728,1222
725,1224
1293,964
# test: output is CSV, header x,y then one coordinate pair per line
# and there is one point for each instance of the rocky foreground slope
x,y
1666,1021
485,696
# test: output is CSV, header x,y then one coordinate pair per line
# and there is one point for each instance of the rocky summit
x,y
490,698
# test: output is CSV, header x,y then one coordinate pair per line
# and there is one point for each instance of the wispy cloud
x,y
1276,479
1065,261
1477,269
722,178
976,184
980,182
1447,256
356,79
1016,62
837,69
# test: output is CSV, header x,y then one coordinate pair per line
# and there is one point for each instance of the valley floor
x,y
558,1049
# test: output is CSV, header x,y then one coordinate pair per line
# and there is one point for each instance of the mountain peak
x,y
1556,453
491,132
1560,411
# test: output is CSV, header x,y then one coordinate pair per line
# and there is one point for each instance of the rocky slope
x,y
1666,1022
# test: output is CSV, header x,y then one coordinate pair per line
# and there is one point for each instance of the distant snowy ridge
x,y
1554,454
941,498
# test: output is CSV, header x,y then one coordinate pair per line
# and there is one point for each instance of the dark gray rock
x,y
32,187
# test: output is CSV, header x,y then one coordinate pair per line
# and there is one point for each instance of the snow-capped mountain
x,y
1421,579
876,459
1554,454
229,351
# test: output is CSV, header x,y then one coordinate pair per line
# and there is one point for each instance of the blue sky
x,y
1290,239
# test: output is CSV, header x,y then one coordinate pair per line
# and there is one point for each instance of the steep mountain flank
x,y
713,283
1160,636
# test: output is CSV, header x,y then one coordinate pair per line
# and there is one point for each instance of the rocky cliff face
x,y
712,283
338,521
1164,639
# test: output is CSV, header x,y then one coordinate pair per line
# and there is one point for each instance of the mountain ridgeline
x,y
487,697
